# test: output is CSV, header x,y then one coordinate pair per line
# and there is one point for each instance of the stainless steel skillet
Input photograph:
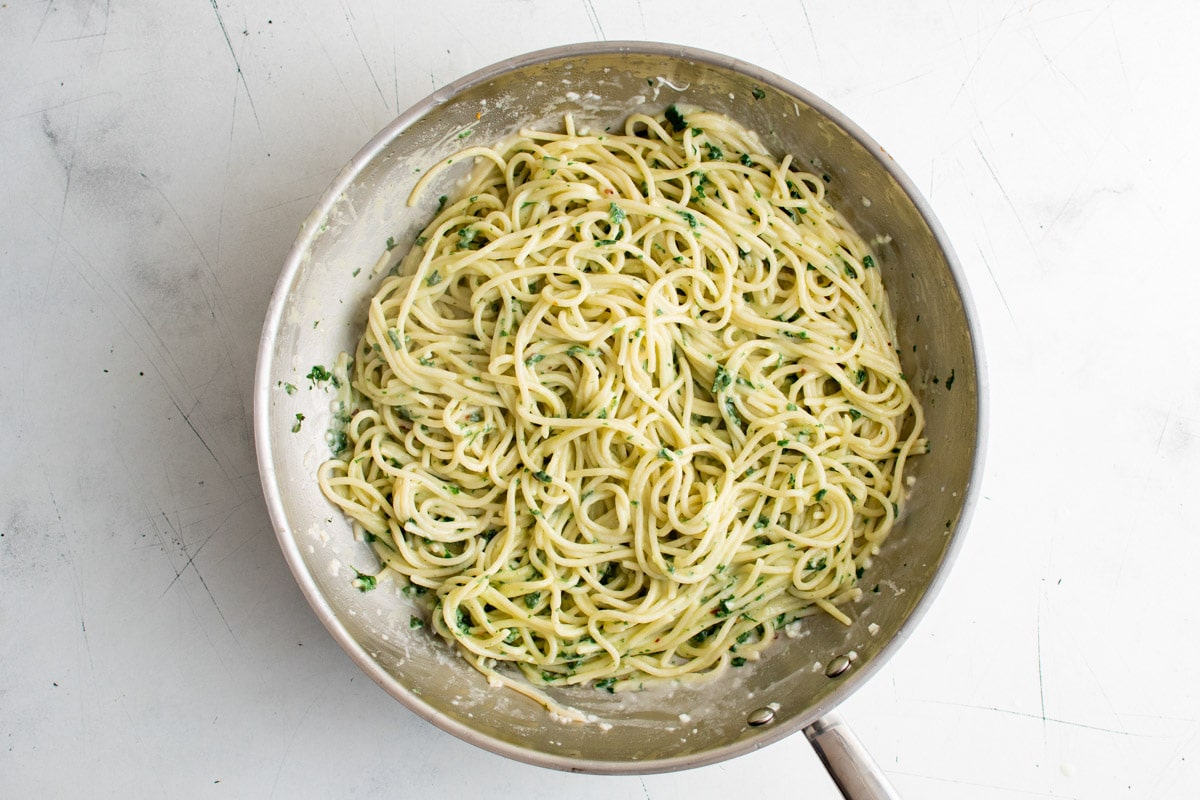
x,y
318,309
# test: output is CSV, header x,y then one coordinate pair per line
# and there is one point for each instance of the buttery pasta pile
x,y
630,404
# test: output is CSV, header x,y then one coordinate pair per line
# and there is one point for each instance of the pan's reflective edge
x,y
510,729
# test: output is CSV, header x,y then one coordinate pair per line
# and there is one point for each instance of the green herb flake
x,y
318,375
415,622
868,262
722,380
533,359
466,238
442,202
543,476
606,684
290,388
738,661
299,419
363,582
820,495
434,278
465,133
731,410
689,218
757,93
675,118
950,381
745,159
616,215
390,244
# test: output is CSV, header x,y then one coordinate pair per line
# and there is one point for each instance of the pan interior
x,y
319,311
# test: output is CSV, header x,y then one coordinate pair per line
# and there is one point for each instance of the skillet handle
x,y
856,774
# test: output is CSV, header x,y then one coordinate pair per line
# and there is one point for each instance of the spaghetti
x,y
630,404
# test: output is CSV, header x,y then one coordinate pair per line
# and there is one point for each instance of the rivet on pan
x,y
761,716
837,666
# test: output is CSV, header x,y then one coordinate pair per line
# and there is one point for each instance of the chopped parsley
x,y
689,218
757,93
290,388
731,410
543,476
616,215
390,244
318,375
722,380
466,237
607,683
362,582
415,622
675,118
820,495
299,419
738,661
532,599
868,262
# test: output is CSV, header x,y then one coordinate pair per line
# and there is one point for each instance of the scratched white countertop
x,y
156,160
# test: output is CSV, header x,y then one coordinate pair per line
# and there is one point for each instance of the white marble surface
x,y
155,162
